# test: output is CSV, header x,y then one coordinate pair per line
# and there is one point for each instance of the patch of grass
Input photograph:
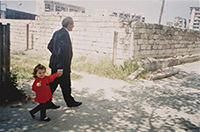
x,y
23,62
144,74
75,76
79,59
19,53
24,72
104,67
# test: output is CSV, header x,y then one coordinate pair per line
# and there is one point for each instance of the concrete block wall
x,y
18,33
158,41
42,29
91,36
95,37
123,44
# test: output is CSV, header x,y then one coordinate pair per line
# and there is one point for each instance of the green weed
x,y
104,67
18,53
144,74
24,62
75,76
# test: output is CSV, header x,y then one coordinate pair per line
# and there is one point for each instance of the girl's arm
x,y
52,77
36,86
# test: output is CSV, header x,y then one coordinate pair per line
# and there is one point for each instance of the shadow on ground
x,y
168,105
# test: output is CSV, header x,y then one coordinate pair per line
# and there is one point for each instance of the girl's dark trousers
x,y
42,108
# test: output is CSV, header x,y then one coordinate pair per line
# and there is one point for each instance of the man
x,y
60,61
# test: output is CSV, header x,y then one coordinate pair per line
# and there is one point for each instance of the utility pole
x,y
0,9
19,5
161,12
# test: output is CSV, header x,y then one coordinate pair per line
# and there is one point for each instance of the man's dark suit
x,y
61,49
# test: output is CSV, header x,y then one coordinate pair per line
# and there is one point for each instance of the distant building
x,y
180,22
120,14
170,24
52,6
14,14
40,6
194,18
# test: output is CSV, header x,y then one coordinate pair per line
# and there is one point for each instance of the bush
x,y
9,92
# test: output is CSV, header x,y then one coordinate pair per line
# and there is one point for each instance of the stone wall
x,y
96,37
91,36
158,41
18,33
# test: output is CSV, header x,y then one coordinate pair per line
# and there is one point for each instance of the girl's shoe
x,y
33,115
46,119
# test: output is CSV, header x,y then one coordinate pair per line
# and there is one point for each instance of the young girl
x,y
42,90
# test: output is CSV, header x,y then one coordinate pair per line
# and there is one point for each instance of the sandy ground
x,y
165,105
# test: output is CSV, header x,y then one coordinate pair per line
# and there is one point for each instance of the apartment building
x,y
194,18
169,23
121,14
51,6
180,22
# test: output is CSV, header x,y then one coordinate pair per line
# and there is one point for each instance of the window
x,y
58,8
63,8
115,13
143,19
47,7
121,15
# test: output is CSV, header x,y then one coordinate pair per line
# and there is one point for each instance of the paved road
x,y
165,105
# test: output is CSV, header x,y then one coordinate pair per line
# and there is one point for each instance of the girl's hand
x,y
38,84
59,73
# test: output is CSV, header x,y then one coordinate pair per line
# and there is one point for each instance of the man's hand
x,y
59,73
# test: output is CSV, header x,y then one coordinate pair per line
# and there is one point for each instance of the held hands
x,y
38,84
59,73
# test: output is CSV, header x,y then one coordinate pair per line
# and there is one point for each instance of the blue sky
x,y
150,8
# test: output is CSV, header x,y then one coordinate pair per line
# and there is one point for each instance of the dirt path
x,y
170,104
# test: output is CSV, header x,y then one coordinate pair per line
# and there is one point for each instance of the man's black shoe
x,y
75,104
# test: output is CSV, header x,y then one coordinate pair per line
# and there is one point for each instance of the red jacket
x,y
43,93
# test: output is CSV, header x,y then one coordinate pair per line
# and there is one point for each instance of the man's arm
x,y
50,45
63,47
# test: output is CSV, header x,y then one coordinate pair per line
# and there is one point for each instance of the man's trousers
x,y
65,84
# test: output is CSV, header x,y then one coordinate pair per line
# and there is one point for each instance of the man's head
x,y
68,23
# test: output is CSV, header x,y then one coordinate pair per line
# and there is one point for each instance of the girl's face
x,y
41,73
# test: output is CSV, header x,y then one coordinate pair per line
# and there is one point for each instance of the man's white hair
x,y
66,21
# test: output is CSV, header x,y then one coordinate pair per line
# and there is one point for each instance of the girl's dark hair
x,y
39,66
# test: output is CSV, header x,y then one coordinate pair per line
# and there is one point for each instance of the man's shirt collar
x,y
66,29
